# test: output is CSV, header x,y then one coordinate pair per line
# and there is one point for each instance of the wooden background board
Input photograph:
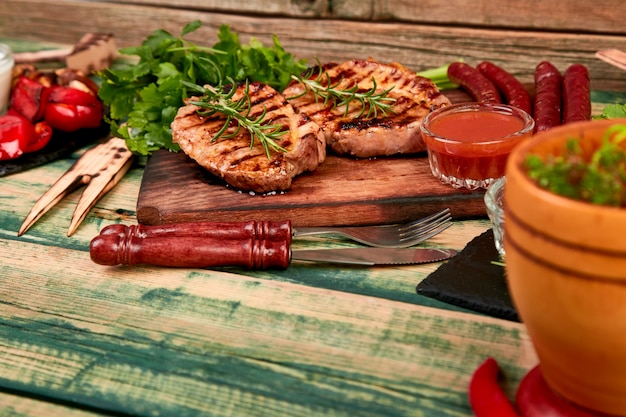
x,y
341,191
419,34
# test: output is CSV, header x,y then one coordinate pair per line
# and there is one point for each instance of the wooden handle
x,y
259,230
189,251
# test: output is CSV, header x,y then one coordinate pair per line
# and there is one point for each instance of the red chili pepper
x,y
70,109
29,98
487,398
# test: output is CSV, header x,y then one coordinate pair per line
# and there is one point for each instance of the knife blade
x,y
127,248
373,256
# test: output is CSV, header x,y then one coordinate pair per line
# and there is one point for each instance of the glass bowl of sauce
x,y
469,143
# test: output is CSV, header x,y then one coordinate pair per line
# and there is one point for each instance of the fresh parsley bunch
x,y
600,179
612,111
143,98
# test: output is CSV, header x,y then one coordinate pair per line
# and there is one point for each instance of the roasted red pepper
x,y
38,108
19,136
70,109
14,135
43,134
29,98
487,398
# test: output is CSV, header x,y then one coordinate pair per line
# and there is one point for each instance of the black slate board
x,y
471,280
61,145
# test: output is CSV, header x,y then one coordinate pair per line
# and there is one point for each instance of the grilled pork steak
x,y
391,134
249,168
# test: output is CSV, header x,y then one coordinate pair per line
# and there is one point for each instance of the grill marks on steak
x,y
397,132
233,159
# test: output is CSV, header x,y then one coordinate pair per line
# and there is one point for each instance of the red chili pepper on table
x,y
70,109
486,397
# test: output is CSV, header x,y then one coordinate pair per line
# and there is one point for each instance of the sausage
x,y
576,94
472,81
509,86
547,105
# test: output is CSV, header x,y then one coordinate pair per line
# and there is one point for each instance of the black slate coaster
x,y
471,280
61,145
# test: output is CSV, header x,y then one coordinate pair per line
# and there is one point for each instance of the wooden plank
x,y
21,404
575,16
341,191
578,16
419,46
181,342
309,8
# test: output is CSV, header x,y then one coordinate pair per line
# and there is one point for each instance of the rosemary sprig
x,y
217,100
324,89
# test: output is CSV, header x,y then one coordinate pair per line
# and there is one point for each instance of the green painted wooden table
x,y
79,339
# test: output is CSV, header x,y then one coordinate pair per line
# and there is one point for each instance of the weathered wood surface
x,y
420,35
79,339
577,16
82,339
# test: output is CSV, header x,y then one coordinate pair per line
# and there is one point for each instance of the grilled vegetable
x,y
29,98
69,109
18,135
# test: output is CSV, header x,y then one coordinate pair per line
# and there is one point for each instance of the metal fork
x,y
387,236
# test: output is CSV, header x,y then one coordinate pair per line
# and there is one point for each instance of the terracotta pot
x,y
566,271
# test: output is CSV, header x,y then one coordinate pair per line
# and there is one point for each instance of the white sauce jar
x,y
6,70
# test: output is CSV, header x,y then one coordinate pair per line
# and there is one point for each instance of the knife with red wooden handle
x,y
255,247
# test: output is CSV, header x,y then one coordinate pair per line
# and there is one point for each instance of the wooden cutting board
x,y
341,191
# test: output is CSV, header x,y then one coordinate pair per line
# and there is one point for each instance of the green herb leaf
x,y
215,100
143,97
612,111
600,179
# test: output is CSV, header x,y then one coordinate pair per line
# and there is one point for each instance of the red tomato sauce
x,y
473,126
473,145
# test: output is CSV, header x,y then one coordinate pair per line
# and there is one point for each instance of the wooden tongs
x,y
99,168
614,57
